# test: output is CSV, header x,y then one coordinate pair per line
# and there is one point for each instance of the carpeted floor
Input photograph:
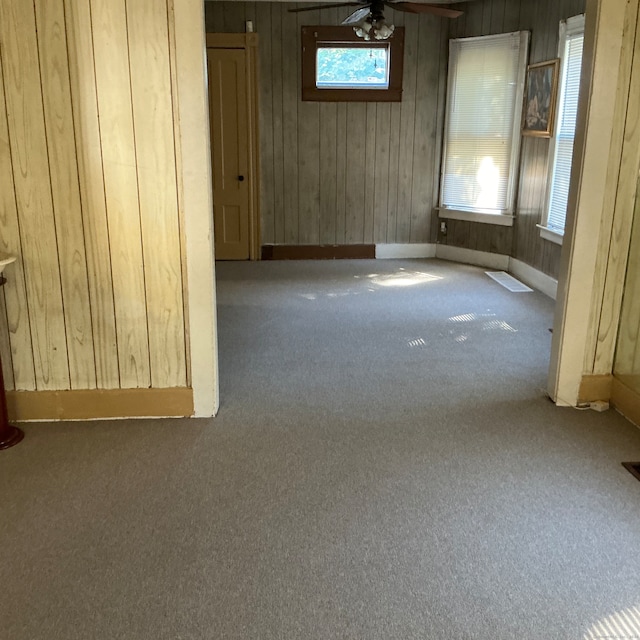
x,y
385,465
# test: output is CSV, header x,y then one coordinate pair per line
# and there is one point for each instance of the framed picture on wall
x,y
540,99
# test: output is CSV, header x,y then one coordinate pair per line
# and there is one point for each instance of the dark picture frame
x,y
540,98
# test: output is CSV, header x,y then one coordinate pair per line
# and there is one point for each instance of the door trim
x,y
248,42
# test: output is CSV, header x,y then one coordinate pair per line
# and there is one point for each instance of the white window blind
x,y
482,131
572,40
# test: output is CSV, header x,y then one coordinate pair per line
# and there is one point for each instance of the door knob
x,y
240,178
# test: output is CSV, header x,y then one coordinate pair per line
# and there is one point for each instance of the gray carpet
x,y
385,465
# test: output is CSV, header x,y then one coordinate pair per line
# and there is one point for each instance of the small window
x,y
482,129
340,67
337,66
561,148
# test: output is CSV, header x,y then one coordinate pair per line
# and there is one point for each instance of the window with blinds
x,y
571,43
482,129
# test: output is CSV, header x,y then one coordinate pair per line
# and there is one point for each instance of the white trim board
x,y
534,278
195,172
385,251
470,256
500,219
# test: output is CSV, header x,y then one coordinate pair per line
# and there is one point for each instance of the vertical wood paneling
x,y
155,156
267,205
381,172
235,17
121,183
308,154
17,353
335,172
328,178
86,150
407,133
6,199
624,197
278,123
356,149
328,157
497,16
341,173
290,100
394,172
5,348
23,91
429,68
91,179
65,189
180,184
369,172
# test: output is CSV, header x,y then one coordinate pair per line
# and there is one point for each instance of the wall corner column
x,y
195,169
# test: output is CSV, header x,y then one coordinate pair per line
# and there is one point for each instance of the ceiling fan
x,y
368,20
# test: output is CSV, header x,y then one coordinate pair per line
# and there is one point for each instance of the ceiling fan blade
x,y
357,16
414,7
326,6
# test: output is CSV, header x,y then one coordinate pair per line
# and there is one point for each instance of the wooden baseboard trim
x,y
626,401
88,404
318,251
595,387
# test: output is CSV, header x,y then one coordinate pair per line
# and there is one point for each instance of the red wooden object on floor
x,y
9,435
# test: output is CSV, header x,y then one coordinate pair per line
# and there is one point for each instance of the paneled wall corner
x,y
542,20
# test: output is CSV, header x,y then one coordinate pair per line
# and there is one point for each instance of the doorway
x,y
231,63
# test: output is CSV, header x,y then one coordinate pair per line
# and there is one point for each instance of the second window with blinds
x,y
482,127
561,148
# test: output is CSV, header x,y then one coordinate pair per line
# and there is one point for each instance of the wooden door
x,y
230,152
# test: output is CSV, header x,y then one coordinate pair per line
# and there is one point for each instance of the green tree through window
x,y
352,67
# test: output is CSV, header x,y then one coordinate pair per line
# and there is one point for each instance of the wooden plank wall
x,y
354,173
89,197
541,18
343,173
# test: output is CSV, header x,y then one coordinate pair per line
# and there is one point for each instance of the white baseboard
x,y
521,270
384,251
533,277
469,256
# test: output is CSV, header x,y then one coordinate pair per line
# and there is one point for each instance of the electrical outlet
x,y
443,227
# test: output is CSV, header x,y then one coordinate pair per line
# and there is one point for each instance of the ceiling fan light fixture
x,y
383,31
374,26
362,30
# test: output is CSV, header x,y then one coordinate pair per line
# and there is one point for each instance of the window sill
x,y
550,234
500,219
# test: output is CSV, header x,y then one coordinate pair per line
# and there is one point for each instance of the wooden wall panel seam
x,y
93,195
154,144
65,192
179,187
137,174
82,221
121,188
16,280
53,219
34,207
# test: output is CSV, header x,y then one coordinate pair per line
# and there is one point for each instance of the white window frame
x,y
570,27
505,217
